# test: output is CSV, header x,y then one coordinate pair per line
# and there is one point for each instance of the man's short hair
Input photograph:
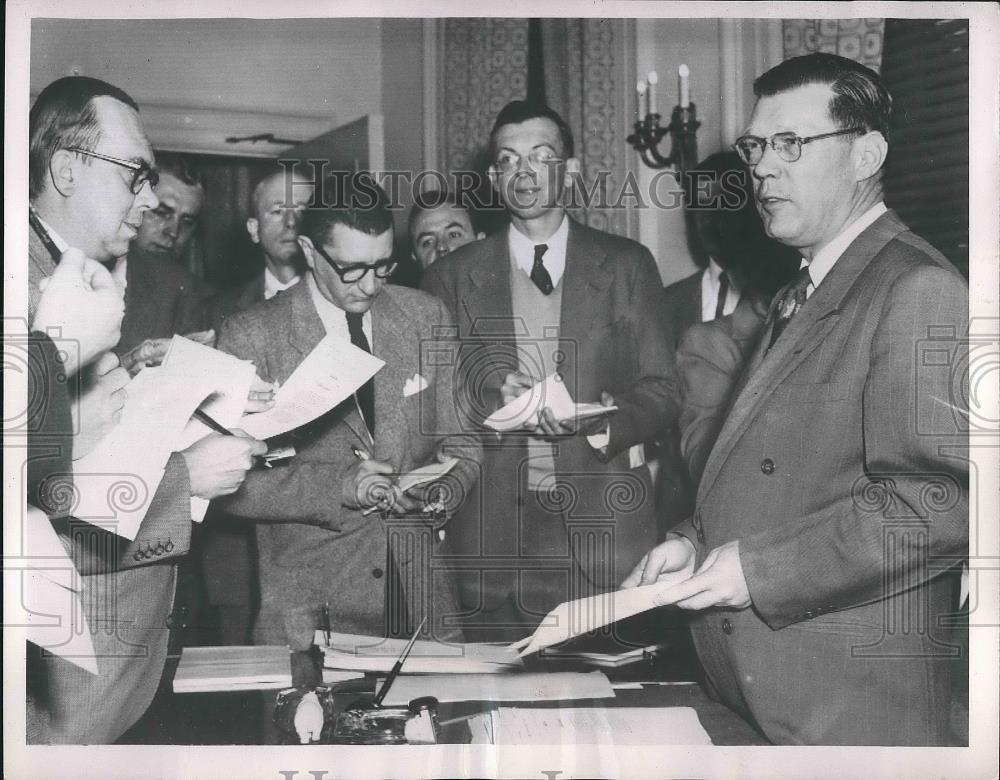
x,y
518,111
860,98
355,201
435,199
182,169
64,116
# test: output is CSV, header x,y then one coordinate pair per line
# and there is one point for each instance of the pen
x,y
219,428
43,234
362,455
396,667
326,622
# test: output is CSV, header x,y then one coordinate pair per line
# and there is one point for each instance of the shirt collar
x,y
334,318
58,240
273,285
826,258
522,250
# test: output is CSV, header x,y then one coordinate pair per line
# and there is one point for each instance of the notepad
x,y
618,726
425,474
550,393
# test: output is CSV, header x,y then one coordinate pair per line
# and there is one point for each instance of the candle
x,y
642,90
653,80
683,72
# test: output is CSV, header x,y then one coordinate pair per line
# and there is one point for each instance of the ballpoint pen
x,y
326,622
362,456
396,667
219,428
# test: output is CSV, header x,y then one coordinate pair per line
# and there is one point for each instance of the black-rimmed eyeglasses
x,y
355,273
142,172
788,146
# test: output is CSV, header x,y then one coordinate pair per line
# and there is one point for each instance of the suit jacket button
x,y
767,466
727,627
377,573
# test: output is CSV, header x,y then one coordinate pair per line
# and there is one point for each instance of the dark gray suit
x,y
842,470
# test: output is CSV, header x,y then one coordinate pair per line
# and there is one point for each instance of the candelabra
x,y
683,140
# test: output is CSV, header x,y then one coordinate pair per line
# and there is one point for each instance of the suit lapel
x,y
396,341
586,282
769,368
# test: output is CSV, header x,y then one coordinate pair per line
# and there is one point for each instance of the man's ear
x,y
63,172
870,151
253,228
307,251
572,169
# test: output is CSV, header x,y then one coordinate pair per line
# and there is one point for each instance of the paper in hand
x,y
574,618
525,410
425,474
333,371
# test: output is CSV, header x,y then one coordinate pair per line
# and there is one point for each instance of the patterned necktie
x,y
365,393
720,304
539,275
791,301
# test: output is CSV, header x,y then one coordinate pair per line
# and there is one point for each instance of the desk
x,y
238,718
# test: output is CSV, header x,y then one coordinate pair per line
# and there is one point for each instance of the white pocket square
x,y
415,384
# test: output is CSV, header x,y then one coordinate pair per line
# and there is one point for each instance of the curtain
x,y
583,63
857,39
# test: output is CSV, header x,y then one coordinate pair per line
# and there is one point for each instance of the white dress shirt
x,y
522,250
824,260
273,285
334,318
710,285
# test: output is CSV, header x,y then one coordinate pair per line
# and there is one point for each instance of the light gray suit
x,y
842,471
127,603
313,550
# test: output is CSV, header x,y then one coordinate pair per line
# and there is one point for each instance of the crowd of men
x,y
778,388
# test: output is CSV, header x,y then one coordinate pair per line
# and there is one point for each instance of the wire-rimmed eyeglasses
x,y
508,161
142,172
787,145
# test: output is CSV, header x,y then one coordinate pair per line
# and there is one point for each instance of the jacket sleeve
x,y
916,466
654,400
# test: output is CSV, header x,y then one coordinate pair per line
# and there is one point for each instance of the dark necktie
x,y
791,301
539,275
365,393
720,304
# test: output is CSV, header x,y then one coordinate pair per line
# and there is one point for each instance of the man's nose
x,y
172,227
291,219
146,199
369,283
768,163
443,248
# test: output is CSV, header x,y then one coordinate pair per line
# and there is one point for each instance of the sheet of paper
x,y
613,726
240,668
426,474
500,687
376,654
116,482
48,604
588,410
328,375
229,377
573,618
523,411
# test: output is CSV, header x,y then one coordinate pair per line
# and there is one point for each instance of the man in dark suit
x,y
90,180
332,526
837,491
563,509
227,547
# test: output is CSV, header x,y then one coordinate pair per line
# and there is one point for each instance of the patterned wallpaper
x,y
857,39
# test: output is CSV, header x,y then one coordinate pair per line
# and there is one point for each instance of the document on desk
x,y
52,611
615,726
574,618
116,482
240,668
544,686
524,411
377,654
333,371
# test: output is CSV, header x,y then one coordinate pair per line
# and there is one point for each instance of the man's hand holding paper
x,y
98,406
217,465
546,409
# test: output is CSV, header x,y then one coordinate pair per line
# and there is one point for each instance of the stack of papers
x,y
589,726
376,654
553,686
237,668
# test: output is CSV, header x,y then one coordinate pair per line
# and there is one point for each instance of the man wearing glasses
x,y
836,495
335,530
91,177
565,507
